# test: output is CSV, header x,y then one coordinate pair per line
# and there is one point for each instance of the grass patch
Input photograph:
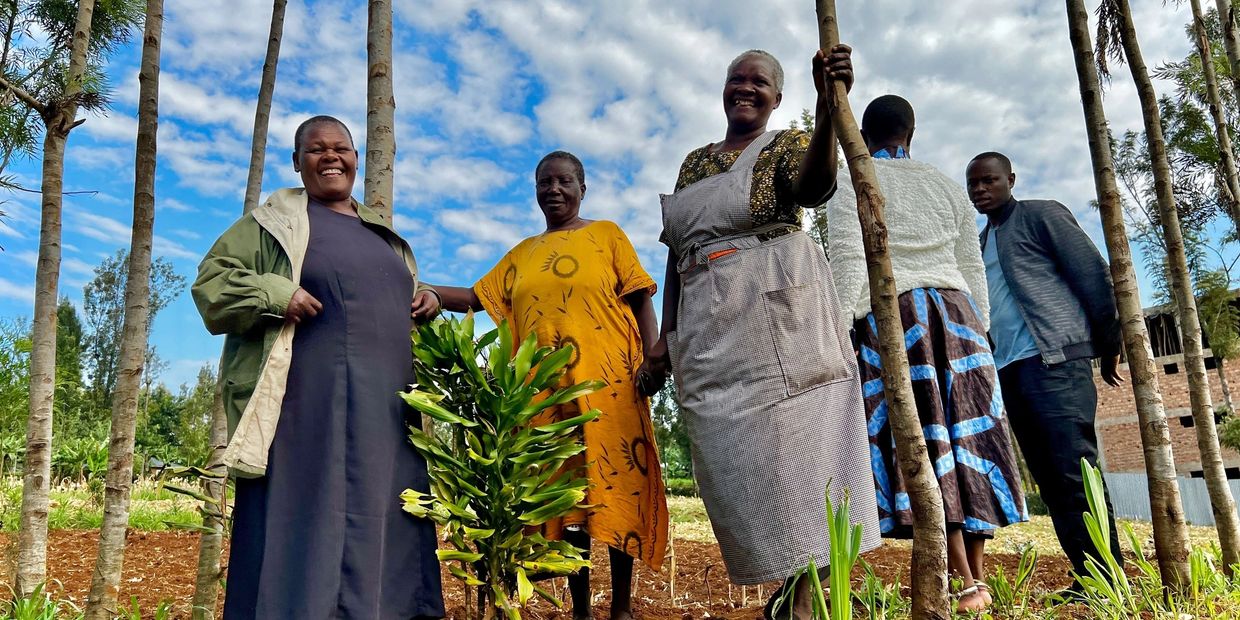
x,y
74,507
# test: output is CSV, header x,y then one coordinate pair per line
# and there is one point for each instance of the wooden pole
x,y
929,570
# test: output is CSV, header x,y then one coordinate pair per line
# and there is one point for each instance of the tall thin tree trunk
x,y
105,583
1186,304
1170,529
1223,383
1227,156
380,110
1231,41
262,111
59,120
929,569
211,544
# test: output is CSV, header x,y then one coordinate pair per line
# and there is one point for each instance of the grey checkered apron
x,y
766,379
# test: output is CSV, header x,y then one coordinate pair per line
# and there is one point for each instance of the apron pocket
x,y
808,351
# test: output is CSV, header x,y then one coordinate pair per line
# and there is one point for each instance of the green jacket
x,y
243,288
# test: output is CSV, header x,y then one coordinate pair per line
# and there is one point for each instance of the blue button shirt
x,y
1011,336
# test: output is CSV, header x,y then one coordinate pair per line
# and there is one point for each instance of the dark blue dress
x,y
322,535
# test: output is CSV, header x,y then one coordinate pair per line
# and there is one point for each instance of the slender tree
x,y
1170,530
1214,102
59,118
1231,41
262,111
929,570
380,110
1116,27
211,542
105,583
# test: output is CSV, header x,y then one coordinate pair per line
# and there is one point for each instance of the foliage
x,y
103,304
14,375
672,437
686,487
881,600
845,539
500,475
1220,318
37,39
1011,596
1229,432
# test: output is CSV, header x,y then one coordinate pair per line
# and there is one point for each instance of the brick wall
x,y
1119,433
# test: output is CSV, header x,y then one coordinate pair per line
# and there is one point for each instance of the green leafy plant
x,y
40,606
881,601
845,539
495,475
1011,596
1106,587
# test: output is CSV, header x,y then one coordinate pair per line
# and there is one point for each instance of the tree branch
x,y
24,96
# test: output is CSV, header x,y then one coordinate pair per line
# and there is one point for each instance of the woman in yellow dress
x,y
580,283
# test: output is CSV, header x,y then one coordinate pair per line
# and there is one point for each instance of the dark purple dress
x,y
322,535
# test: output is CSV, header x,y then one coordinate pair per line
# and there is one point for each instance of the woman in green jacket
x,y
314,294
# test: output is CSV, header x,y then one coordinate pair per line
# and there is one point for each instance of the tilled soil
x,y
160,566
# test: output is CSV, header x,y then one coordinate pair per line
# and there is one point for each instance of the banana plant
x,y
499,473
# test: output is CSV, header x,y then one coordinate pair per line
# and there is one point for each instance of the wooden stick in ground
x,y
262,111
59,120
1172,550
380,110
1214,102
102,603
929,570
1226,521
1231,41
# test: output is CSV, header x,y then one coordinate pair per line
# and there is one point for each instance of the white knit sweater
x,y
931,232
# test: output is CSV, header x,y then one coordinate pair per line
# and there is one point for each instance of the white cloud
x,y
15,291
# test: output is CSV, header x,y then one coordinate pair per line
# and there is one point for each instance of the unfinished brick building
x,y
1117,414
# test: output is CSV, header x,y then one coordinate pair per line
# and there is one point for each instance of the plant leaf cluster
x,y
499,471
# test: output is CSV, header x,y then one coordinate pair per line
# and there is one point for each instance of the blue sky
x,y
485,88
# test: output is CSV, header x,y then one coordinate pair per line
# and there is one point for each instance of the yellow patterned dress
x,y
568,287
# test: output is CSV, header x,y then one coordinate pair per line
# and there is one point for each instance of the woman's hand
x,y
651,376
834,66
302,307
425,306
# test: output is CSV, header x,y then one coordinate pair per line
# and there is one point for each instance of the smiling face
x,y
559,191
989,183
750,93
327,162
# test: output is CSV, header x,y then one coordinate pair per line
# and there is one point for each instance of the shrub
x,y
496,476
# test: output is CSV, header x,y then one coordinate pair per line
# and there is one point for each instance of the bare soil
x,y
160,566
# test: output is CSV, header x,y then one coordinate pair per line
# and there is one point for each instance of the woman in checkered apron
x,y
765,374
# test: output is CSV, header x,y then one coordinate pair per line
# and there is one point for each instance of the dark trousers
x,y
1052,410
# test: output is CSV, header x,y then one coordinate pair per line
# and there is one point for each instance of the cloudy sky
x,y
485,87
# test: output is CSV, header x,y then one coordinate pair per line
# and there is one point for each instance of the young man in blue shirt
x,y
1052,310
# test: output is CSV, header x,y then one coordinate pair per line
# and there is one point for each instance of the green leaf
x,y
198,495
460,573
554,508
525,589
563,425
428,403
448,555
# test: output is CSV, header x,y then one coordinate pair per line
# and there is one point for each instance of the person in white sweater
x,y
941,281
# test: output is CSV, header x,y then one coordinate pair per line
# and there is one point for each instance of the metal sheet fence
x,y
1131,499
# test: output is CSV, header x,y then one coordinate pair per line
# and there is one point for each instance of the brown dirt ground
x,y
160,566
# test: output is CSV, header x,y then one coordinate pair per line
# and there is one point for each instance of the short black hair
x,y
996,155
579,169
889,116
321,119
